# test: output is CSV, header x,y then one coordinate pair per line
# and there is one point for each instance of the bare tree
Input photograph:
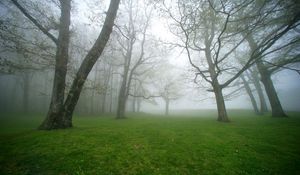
x,y
132,36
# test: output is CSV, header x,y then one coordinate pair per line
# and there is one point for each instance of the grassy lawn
x,y
145,144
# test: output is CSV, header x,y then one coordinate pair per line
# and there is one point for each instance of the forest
x,y
149,87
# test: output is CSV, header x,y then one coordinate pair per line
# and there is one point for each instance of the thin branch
x,y
34,21
145,97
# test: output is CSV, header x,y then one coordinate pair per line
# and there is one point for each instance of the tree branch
x,y
34,21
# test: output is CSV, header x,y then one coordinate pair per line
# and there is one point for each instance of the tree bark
x,y
54,117
250,94
222,113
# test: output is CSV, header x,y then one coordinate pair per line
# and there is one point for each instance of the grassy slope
x,y
153,145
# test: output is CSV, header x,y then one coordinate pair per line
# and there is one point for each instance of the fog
x,y
161,57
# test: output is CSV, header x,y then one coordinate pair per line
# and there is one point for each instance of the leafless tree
x,y
132,38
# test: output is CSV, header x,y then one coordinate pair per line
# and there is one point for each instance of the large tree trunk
x,y
54,117
88,62
250,94
63,118
277,110
222,113
217,89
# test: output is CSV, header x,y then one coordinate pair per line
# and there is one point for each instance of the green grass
x,y
145,144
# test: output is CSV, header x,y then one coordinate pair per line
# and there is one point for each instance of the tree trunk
x,y
123,89
222,113
111,92
122,99
277,110
262,100
89,61
123,93
250,94
167,106
121,105
54,117
63,118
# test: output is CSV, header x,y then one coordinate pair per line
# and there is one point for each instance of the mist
x,y
159,55
149,87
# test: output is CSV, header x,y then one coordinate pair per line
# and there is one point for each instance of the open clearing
x,y
147,144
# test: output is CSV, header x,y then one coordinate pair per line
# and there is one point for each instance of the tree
x,y
250,77
269,39
132,37
265,73
202,28
170,91
22,54
255,79
211,30
61,109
